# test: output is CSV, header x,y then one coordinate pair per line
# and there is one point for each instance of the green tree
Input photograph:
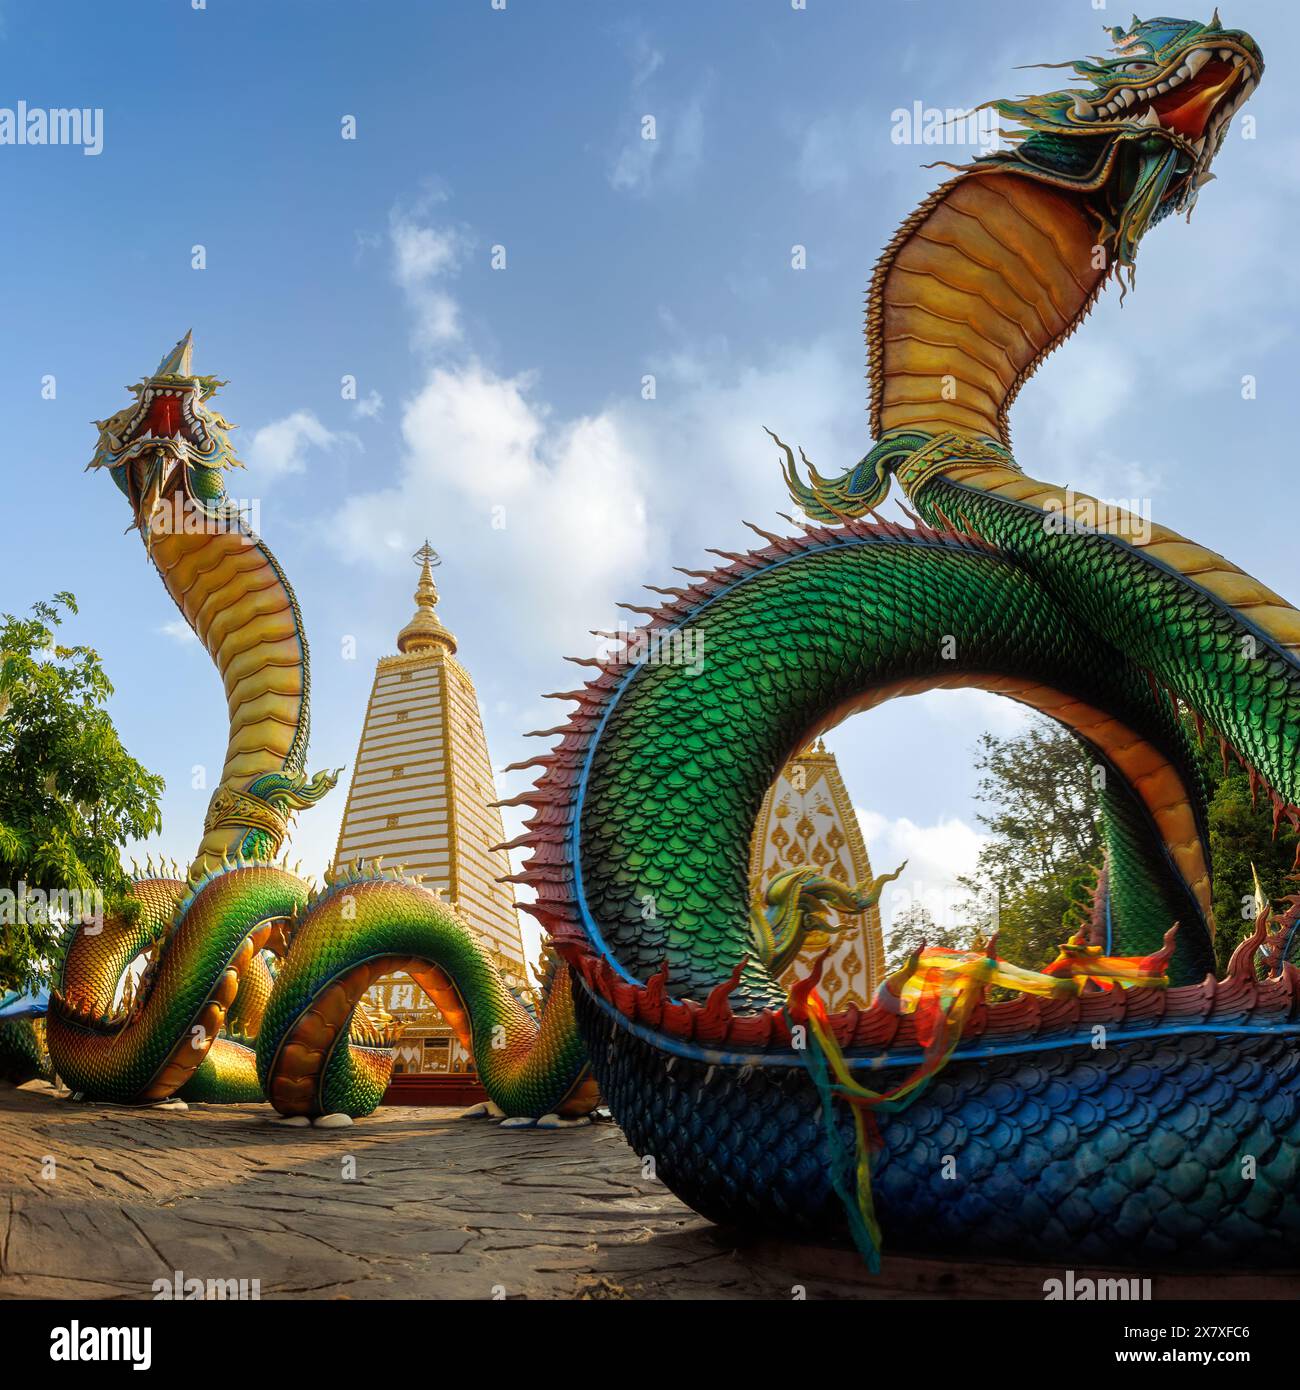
x,y
1241,835
70,794
1044,849
915,926
1042,814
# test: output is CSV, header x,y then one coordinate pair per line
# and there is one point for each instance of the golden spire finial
x,y
178,360
425,631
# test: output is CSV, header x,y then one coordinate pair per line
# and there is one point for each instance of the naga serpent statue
x,y
1124,1106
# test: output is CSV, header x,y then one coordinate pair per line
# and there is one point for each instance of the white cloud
x,y
370,406
647,60
1077,394
179,631
281,447
668,160
421,252
554,509
966,709
663,146
549,508
423,256
836,148
634,165
710,405
937,855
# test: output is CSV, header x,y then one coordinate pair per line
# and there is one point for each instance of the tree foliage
x,y
1241,835
915,926
70,794
1042,813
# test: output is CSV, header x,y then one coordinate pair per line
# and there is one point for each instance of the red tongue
x,y
165,415
1187,108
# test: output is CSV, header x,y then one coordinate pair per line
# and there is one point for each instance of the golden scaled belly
x,y
233,595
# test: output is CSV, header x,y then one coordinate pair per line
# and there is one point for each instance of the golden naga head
x,y
1137,138
168,445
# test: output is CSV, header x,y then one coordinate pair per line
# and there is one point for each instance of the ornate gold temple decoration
x,y
946,454
421,796
807,817
230,807
425,631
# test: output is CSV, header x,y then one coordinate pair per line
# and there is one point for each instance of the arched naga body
x,y
255,983
1126,1106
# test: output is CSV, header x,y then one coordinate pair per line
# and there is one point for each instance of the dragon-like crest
x,y
1138,139
168,441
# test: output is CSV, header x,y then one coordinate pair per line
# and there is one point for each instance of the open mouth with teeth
x,y
1191,101
1137,142
166,413
166,437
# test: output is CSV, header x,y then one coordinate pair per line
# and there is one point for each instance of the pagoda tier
x,y
421,797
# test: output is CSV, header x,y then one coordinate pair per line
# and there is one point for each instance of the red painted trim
x,y
420,1088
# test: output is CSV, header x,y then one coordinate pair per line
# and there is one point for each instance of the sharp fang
x,y
1203,179
1084,110
1225,54
1196,60
1127,97
1237,60
1149,118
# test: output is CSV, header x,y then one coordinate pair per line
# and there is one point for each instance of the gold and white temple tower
x,y
808,818
421,797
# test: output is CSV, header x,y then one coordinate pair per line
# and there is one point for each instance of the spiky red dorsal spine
x,y
650,1004
714,1020
769,536
801,990
550,873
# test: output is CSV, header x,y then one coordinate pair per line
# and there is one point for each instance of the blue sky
x,y
482,389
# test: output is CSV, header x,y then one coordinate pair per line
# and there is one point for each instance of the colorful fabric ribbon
x,y
940,988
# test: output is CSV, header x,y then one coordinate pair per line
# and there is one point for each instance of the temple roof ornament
x,y
807,817
425,631
423,796
179,361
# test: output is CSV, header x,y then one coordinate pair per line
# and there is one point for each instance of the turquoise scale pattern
x,y
381,919
683,760
1177,1150
1185,636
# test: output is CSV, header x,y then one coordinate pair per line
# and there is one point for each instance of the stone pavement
x,y
411,1203
100,1201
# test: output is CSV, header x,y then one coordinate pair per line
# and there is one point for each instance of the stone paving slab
x,y
100,1201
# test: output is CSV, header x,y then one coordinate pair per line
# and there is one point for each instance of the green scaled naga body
x,y
255,981
1106,1112
1052,1146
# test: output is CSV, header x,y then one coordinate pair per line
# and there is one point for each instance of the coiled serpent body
x,y
1137,1124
